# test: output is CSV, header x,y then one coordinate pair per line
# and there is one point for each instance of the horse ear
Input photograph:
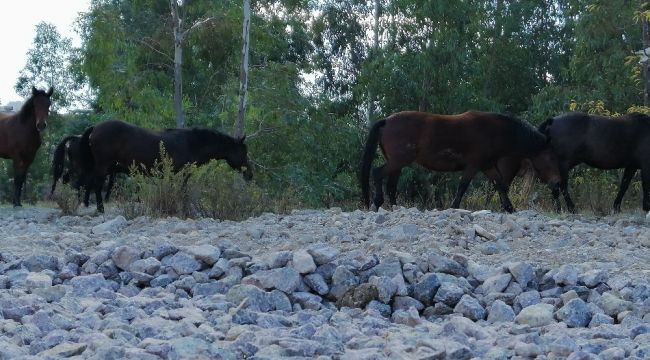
x,y
34,90
241,139
50,92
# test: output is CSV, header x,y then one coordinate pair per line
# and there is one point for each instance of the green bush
x,y
67,198
212,190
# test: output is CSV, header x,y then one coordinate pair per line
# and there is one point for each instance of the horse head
x,y
238,159
545,164
41,107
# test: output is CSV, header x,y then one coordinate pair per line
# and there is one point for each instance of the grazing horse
x,y
468,142
20,135
604,143
67,163
116,143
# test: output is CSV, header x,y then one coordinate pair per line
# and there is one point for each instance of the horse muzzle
x,y
41,126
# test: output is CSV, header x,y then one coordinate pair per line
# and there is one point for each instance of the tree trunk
x,y
243,77
178,64
646,71
375,46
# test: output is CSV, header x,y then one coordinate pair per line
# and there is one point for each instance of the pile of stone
x,y
218,302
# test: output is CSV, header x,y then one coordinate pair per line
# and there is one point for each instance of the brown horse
x,y
20,135
468,142
116,144
604,143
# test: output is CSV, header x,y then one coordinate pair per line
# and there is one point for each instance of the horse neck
x,y
26,116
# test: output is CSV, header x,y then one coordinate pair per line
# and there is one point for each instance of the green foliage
x,y
312,70
67,199
212,190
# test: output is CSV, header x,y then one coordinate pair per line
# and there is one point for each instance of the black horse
x,y
604,143
116,143
67,165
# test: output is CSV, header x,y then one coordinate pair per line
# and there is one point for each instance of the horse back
x,y
601,141
450,142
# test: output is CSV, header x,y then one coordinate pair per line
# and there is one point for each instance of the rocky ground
x,y
325,284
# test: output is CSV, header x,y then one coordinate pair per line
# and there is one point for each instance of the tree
x,y
243,77
49,64
179,36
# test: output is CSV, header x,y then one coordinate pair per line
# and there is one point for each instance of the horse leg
x,y
20,173
628,174
468,175
564,186
378,179
494,175
555,191
109,187
391,186
98,185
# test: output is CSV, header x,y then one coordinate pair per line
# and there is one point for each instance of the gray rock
x,y
536,315
406,302
575,313
612,305
598,319
88,284
425,289
470,308
182,263
284,279
38,280
566,275
563,346
523,273
149,265
439,263
449,294
110,227
500,312
495,284
302,262
526,299
277,259
206,254
386,288
384,309
124,256
307,300
322,253
256,298
408,317
317,283
593,277
37,263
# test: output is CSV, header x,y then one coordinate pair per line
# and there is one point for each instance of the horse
x,y
604,143
469,142
117,143
67,164
20,135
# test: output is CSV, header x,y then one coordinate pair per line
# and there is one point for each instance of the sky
x,y
19,29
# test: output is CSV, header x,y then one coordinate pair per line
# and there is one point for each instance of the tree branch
x,y
196,25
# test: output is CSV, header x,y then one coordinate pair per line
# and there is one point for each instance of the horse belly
x,y
445,160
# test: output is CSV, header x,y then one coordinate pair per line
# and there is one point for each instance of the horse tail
x,y
59,160
87,159
544,127
366,162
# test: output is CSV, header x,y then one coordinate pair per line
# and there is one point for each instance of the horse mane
x,y
527,138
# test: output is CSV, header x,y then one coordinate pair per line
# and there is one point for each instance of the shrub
x,y
212,190
67,199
